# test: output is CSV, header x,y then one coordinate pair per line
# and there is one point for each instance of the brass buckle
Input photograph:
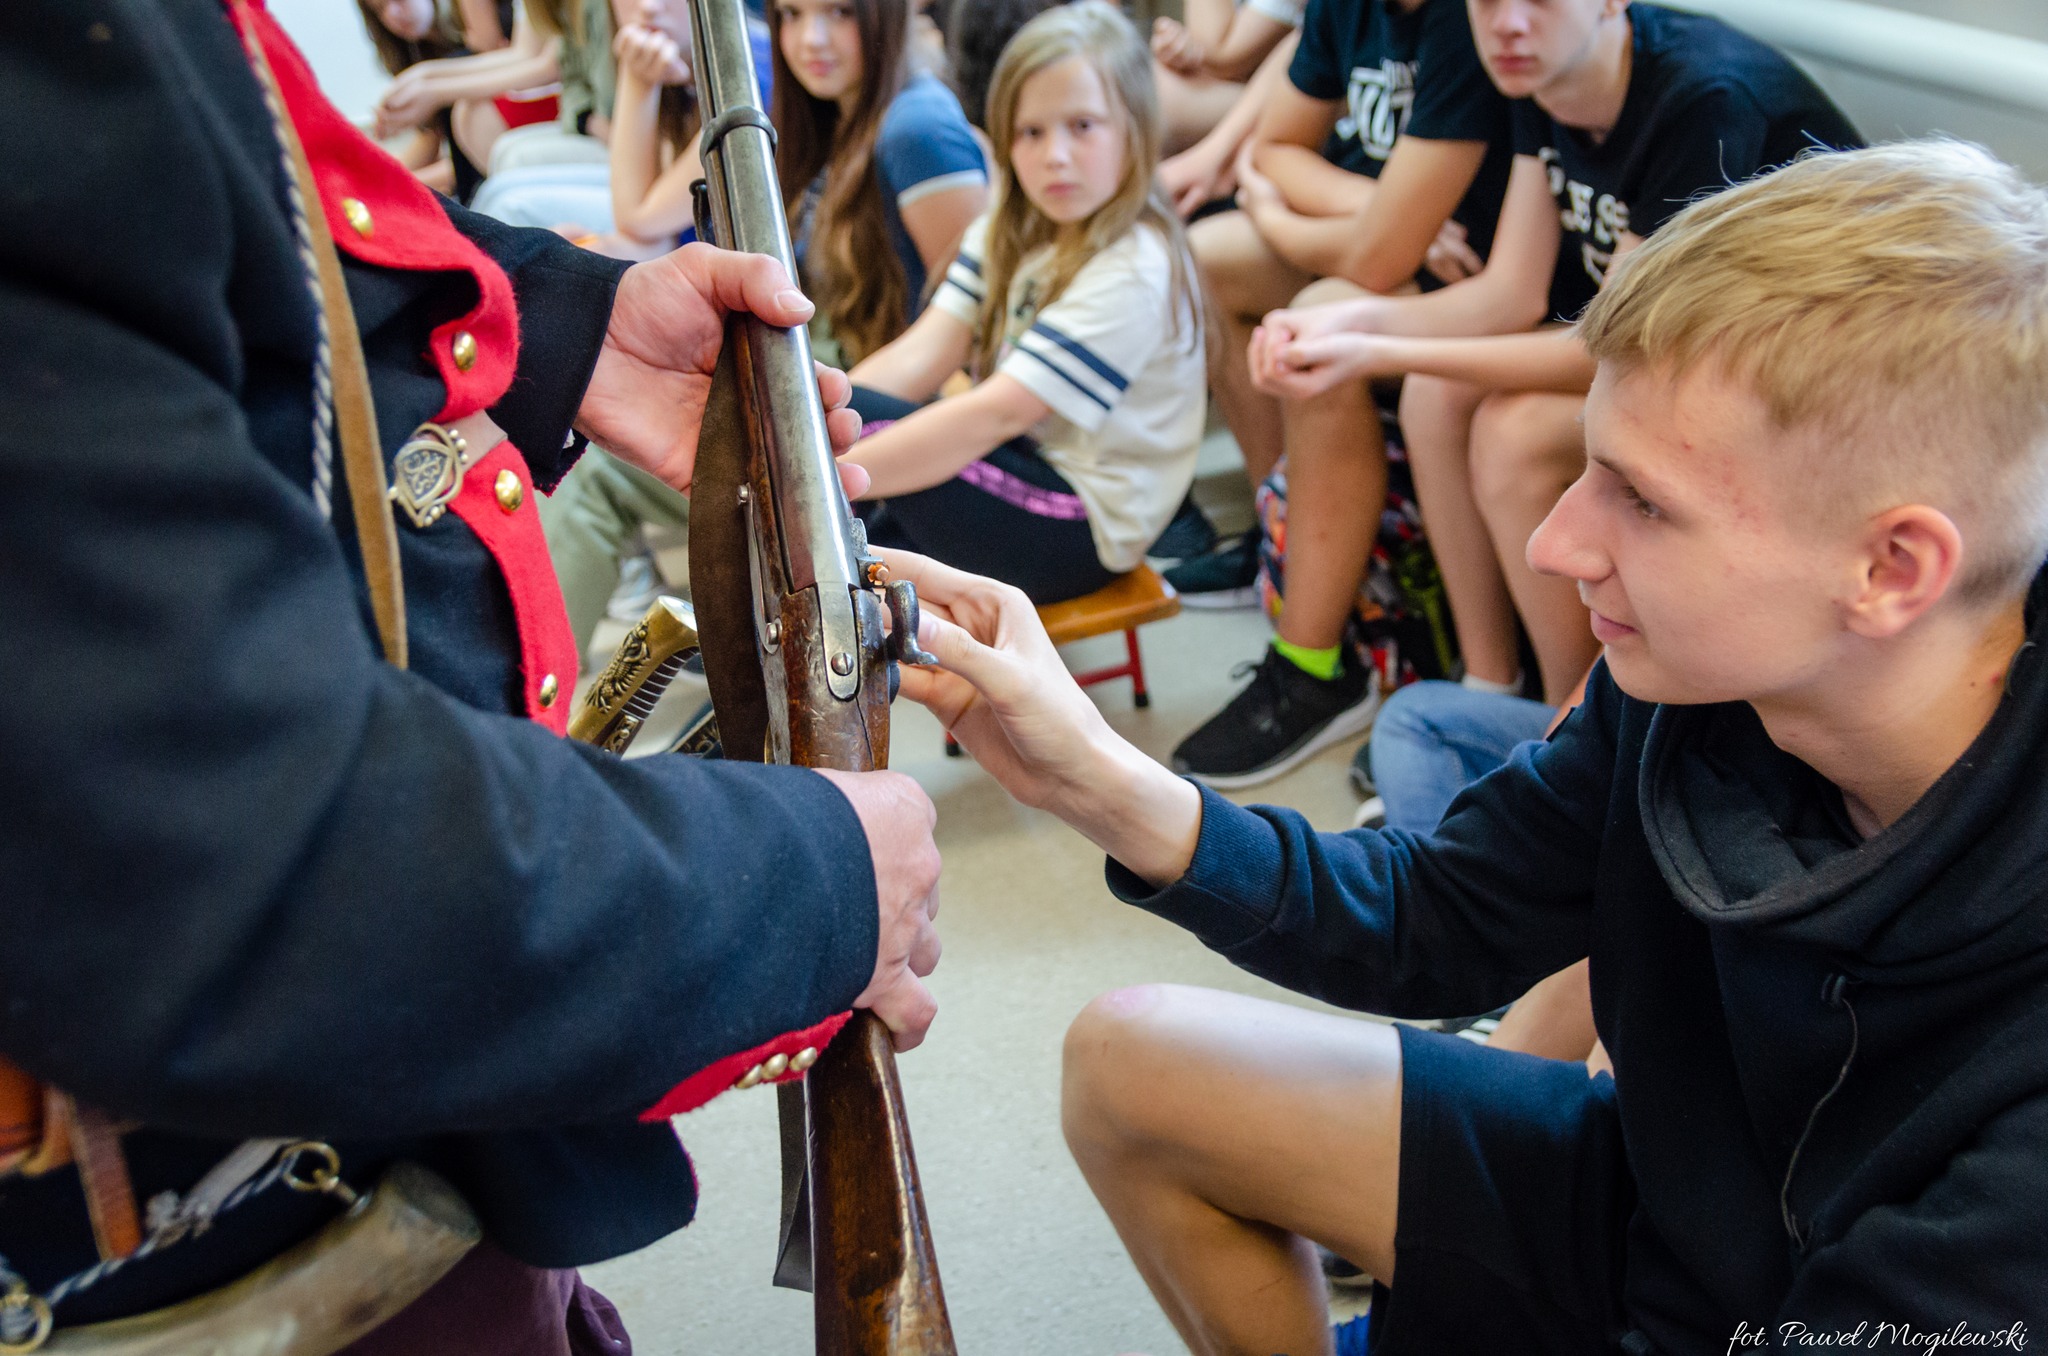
x,y
323,1177
15,1306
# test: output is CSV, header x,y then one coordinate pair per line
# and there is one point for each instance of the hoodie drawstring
x,y
1834,993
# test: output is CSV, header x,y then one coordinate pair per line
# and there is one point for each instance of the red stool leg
x,y
1139,696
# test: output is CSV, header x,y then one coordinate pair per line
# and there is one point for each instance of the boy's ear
x,y
1909,561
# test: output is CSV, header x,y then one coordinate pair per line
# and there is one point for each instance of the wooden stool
x,y
1124,604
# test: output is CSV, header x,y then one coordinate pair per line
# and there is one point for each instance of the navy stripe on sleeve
x,y
1063,375
1085,354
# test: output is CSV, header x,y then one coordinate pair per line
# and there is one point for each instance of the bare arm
x,y
1382,246
480,31
1286,143
1204,170
1245,44
650,204
917,362
1511,293
1208,20
421,91
931,446
936,222
1296,366
1547,360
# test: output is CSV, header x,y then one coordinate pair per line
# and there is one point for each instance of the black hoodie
x,y
1831,1055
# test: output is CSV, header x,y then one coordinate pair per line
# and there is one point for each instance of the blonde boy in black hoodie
x,y
1800,825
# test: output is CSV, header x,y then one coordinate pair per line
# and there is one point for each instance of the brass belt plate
x,y
428,471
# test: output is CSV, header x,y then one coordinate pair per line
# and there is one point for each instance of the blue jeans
x,y
1433,739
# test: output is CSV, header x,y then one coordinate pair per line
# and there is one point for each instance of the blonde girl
x,y
1073,303
878,165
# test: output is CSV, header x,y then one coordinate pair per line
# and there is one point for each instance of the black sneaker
x,y
1281,718
1361,771
1341,1274
1225,577
1187,536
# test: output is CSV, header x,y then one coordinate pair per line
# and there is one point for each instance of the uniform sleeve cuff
x,y
565,305
1232,889
786,1058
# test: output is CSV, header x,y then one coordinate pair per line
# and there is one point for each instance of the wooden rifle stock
x,y
800,660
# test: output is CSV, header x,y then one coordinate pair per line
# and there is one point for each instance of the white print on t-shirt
x,y
1599,221
1380,101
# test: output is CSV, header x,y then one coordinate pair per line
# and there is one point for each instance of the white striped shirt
x,y
1123,375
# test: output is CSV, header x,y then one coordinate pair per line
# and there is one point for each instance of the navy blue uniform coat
x,y
252,879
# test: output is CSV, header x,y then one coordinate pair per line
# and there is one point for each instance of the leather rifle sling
x,y
103,1173
722,592
721,584
355,413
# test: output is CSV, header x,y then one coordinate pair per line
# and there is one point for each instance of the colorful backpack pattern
x,y
1401,624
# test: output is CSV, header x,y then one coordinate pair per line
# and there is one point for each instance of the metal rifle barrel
x,y
775,364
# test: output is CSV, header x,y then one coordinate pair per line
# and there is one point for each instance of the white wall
x,y
1913,67
330,33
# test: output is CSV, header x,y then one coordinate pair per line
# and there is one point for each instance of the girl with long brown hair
x,y
878,165
1073,303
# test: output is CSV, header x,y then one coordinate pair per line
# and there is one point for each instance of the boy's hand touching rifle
x,y
1002,690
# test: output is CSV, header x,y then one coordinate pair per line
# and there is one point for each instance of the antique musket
x,y
801,629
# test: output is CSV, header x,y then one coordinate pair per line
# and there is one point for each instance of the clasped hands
x,y
1304,351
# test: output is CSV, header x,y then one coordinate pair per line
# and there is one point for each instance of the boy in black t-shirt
x,y
1627,113
1385,130
1706,106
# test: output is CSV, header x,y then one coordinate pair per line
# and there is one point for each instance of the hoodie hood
x,y
1748,836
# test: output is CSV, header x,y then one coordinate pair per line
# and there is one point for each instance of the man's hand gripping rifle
x,y
801,630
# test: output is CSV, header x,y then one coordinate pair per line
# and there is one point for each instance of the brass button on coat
x,y
464,349
548,688
775,1066
511,494
803,1059
358,217
749,1078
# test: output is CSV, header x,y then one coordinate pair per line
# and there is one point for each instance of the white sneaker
x,y
640,583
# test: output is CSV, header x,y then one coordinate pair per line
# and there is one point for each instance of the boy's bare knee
x,y
1325,290
1236,264
1513,452
1222,240
1112,1037
1427,397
